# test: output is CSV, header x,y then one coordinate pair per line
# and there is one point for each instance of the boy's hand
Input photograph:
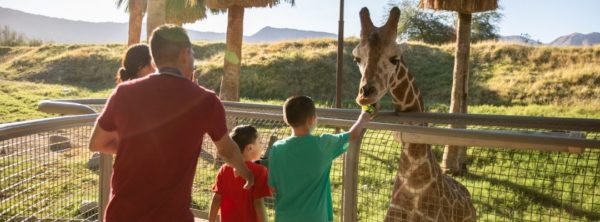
x,y
364,117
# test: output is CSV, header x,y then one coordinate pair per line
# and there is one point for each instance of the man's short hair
x,y
297,109
166,43
244,135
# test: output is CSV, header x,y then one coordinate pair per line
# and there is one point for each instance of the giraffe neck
x,y
417,163
406,95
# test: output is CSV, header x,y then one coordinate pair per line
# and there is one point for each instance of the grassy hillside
x,y
502,74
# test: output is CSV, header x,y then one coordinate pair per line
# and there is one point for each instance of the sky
x,y
543,20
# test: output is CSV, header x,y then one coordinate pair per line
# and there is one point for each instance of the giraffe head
x,y
377,56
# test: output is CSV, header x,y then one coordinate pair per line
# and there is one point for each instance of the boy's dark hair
x,y
166,43
297,109
244,135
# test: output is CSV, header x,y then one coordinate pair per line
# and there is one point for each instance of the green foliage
x,y
420,25
438,27
9,37
484,26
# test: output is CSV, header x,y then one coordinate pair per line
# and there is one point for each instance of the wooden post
x,y
350,181
340,58
106,161
156,16
136,17
230,84
455,156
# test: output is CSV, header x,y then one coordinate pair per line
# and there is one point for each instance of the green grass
x,y
19,99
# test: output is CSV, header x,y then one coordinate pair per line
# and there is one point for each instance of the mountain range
x,y
69,31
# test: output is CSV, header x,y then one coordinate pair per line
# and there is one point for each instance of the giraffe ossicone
x,y
421,191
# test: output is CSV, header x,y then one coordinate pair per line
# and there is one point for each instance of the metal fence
x,y
47,172
524,183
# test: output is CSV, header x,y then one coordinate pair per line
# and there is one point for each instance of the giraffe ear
x,y
366,25
391,26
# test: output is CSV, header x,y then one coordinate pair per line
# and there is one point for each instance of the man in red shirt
x,y
155,126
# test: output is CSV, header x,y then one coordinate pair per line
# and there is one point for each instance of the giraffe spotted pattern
x,y
421,191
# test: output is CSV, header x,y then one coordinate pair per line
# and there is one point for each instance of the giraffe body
x,y
421,191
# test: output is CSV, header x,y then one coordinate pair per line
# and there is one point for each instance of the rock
x,y
88,209
94,162
58,143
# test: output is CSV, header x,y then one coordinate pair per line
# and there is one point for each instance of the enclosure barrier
x,y
506,185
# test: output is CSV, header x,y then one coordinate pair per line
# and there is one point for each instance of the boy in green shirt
x,y
299,165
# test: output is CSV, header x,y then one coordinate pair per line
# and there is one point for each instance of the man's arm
x,y
261,211
214,207
359,125
230,152
103,141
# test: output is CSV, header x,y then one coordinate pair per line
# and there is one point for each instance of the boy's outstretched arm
x,y
359,125
261,211
230,152
214,207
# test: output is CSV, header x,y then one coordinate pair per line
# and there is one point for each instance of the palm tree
x,y
136,9
180,12
235,27
156,15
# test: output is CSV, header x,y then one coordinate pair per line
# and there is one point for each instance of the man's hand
x,y
230,152
248,176
103,141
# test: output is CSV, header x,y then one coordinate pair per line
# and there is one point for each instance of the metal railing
x,y
526,183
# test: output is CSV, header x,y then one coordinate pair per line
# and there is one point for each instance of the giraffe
x,y
421,191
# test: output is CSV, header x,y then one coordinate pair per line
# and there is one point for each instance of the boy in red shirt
x,y
236,203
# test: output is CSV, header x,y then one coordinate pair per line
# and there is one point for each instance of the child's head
x,y
299,111
246,138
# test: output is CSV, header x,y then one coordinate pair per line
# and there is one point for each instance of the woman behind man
x,y
136,63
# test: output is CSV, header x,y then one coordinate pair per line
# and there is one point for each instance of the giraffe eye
x,y
356,59
395,60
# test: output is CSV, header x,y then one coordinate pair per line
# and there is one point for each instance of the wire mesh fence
x,y
505,185
48,176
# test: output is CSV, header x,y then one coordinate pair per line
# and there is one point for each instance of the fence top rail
x,y
550,123
12,130
457,133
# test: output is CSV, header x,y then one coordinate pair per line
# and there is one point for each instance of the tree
x,y
9,37
230,84
421,25
156,15
440,27
484,26
136,9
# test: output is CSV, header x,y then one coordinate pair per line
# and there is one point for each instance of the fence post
x,y
104,183
350,181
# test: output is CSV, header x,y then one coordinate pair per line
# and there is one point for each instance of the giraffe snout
x,y
367,91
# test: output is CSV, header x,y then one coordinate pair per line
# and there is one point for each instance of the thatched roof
x,y
464,6
224,4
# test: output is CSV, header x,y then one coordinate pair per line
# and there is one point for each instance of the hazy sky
x,y
542,19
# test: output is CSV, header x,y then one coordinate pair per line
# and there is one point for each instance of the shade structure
x,y
224,4
462,6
